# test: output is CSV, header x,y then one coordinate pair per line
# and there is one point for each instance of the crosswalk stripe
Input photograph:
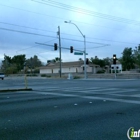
x,y
91,97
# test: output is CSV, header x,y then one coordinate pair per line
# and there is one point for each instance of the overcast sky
x,y
109,27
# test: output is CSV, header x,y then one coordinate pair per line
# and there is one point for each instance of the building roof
x,y
68,64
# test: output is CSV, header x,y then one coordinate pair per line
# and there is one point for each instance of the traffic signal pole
x,y
114,62
60,72
115,72
85,68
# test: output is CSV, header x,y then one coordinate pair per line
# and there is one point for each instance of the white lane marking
x,y
81,88
136,95
110,92
89,89
73,88
115,93
95,90
90,97
56,94
111,99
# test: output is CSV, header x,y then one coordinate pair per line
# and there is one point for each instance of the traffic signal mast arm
x,y
58,47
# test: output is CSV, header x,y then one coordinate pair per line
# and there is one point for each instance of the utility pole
x,y
60,72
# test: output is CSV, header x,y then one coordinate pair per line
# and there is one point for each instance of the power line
x,y
24,26
53,31
30,11
65,34
98,46
52,17
79,10
34,46
88,12
18,31
81,41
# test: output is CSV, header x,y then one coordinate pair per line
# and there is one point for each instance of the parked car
x,y
2,76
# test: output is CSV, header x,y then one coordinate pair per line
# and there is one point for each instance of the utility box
x,y
70,76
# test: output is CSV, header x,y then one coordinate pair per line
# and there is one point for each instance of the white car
x,y
2,76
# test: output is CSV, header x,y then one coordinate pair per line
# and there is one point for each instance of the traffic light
x,y
55,46
114,58
71,49
87,61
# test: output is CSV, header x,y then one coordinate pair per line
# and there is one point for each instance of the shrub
x,y
101,71
32,75
48,75
45,75
76,77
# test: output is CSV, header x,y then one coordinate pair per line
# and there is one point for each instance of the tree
x,y
97,61
80,59
6,63
138,60
137,55
55,60
107,61
127,59
19,61
13,65
33,62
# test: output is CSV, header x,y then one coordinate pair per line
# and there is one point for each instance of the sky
x,y
109,26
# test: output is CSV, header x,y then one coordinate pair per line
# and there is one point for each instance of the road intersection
x,y
69,109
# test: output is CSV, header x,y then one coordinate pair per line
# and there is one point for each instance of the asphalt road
x,y
69,109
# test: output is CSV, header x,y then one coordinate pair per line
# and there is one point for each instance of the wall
x,y
45,71
68,70
56,70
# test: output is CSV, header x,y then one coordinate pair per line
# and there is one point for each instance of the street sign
x,y
78,53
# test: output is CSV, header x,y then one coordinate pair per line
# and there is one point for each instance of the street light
x,y
85,69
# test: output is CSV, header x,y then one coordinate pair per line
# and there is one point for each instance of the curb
x,y
12,90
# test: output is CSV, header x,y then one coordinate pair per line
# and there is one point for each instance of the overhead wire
x,y
87,12
34,46
30,33
57,18
16,25
55,32
27,27
61,4
24,32
79,10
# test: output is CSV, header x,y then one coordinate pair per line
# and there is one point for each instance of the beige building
x,y
68,67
